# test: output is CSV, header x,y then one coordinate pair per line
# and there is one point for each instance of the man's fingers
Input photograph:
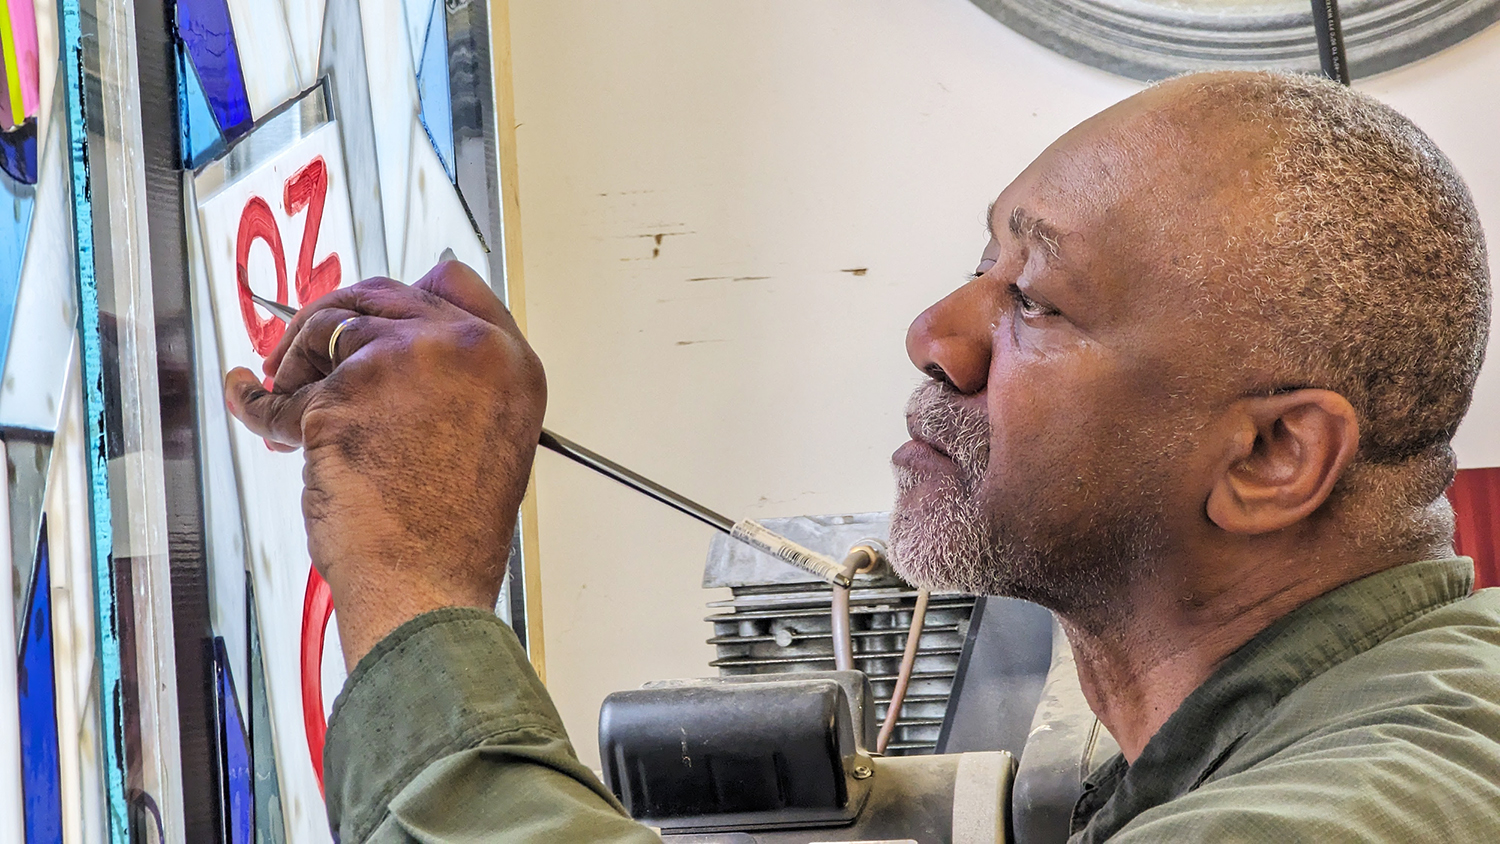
x,y
305,358
275,416
308,359
382,297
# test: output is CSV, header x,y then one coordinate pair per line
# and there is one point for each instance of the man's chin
x,y
931,550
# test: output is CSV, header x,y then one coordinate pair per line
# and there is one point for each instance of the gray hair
x,y
1372,278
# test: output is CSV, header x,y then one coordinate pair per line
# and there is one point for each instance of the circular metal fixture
x,y
1153,39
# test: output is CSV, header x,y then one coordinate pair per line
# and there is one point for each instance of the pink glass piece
x,y
28,57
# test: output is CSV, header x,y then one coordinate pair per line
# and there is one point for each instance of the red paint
x,y
308,188
1476,505
317,608
257,222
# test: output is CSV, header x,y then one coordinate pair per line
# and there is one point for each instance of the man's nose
x,y
951,340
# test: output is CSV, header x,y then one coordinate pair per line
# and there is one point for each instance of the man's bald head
x,y
1256,317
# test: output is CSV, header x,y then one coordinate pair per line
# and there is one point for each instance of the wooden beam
x,y
515,290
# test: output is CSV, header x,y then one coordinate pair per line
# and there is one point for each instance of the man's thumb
x,y
275,416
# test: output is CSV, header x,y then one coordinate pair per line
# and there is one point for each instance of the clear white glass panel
x,y
436,219
393,107
304,21
223,531
10,719
70,539
416,14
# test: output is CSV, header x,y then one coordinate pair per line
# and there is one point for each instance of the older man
x,y
1197,400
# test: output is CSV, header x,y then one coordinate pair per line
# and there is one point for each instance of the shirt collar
x,y
1212,720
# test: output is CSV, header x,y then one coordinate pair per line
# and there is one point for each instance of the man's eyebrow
x,y
1029,227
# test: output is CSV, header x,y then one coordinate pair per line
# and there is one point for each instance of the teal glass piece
x,y
201,139
27,459
16,204
432,89
108,665
270,827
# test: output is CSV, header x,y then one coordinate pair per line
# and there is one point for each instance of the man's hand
x,y
418,439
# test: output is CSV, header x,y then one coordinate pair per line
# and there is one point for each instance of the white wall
x,y
697,182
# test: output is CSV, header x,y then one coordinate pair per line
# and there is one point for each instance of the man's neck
x,y
1138,665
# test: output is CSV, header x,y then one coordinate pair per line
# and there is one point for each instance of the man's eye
x,y
1029,307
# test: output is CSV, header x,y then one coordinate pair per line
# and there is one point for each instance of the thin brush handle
x,y
748,531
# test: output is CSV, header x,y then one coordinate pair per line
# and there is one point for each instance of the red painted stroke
x,y
257,222
308,188
317,608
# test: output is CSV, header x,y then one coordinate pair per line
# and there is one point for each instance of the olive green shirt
x,y
1370,714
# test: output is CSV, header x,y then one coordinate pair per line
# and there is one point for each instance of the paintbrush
x,y
748,531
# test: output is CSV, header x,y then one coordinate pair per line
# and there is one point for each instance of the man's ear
x,y
1286,452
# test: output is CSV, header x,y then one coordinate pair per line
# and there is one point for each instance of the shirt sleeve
x,y
444,733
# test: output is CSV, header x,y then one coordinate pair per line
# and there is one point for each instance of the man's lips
x,y
917,454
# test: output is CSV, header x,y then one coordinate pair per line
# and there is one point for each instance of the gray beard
x,y
950,538
941,541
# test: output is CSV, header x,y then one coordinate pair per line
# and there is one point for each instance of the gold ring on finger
x,y
333,340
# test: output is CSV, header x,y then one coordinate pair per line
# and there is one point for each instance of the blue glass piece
x,y
17,201
234,748
18,152
432,89
36,693
208,35
270,827
201,139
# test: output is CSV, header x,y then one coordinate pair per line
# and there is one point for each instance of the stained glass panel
x,y
372,192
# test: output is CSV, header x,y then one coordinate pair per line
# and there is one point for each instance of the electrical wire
x,y
843,641
903,677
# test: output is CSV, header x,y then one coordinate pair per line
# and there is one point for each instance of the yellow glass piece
x,y
17,109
